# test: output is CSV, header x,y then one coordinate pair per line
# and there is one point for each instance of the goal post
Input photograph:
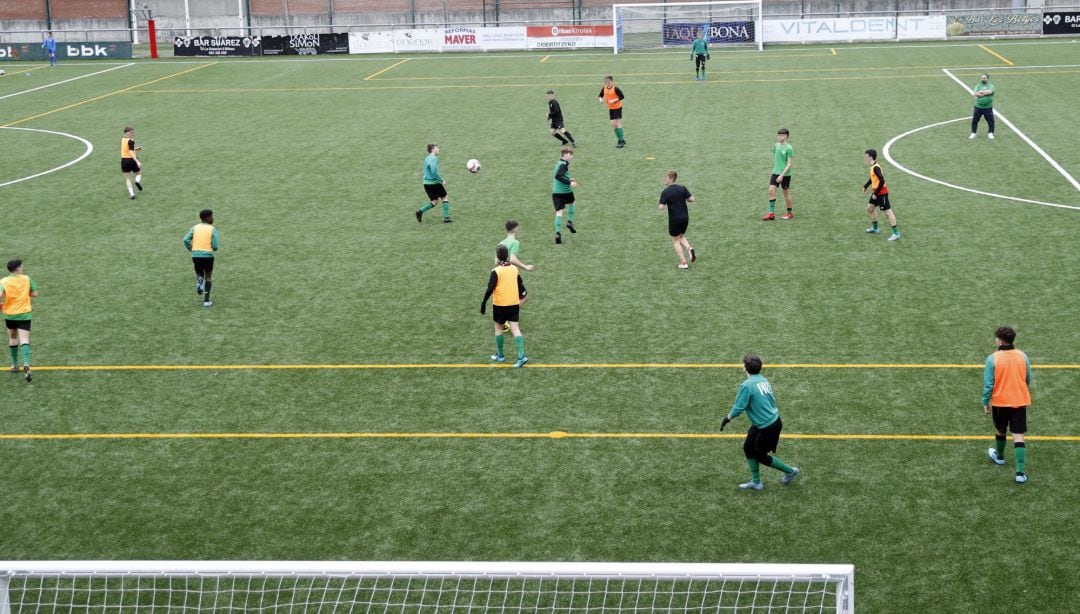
x,y
676,24
421,587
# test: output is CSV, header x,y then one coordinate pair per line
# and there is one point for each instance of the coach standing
x,y
984,106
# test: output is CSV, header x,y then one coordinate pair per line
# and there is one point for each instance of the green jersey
x,y
984,102
560,178
782,152
431,170
513,246
756,399
701,47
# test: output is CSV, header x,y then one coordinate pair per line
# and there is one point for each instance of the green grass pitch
x,y
313,170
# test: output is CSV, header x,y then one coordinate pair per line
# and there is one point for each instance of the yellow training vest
x,y
506,289
202,238
16,294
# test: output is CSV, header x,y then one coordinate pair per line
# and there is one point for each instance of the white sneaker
x,y
990,136
752,486
790,477
683,265
972,135
894,236
1020,477
997,460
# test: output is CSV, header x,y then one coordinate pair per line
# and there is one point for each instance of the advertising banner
x,y
426,39
83,51
852,29
990,24
718,32
503,38
371,42
216,45
925,28
1061,23
305,44
570,37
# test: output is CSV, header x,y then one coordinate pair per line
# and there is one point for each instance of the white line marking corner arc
x,y
89,150
886,151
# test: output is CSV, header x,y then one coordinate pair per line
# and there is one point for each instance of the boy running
x,y
130,166
783,158
562,194
700,54
507,293
434,185
16,290
558,130
202,242
612,96
879,197
674,199
755,397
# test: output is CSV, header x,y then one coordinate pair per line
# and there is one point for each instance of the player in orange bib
x,y
1006,395
612,96
129,161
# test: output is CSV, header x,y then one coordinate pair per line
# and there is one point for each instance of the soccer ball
x,y
1,72
473,165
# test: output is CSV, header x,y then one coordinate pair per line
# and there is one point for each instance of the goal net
x,y
421,587
677,24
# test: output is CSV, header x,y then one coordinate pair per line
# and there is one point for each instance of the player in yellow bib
x,y
16,290
130,166
202,242
507,293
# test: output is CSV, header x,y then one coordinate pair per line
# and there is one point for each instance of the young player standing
x,y
49,45
674,199
507,293
612,96
16,290
755,397
130,166
558,130
434,186
783,159
879,197
202,242
562,194
1006,395
700,54
513,246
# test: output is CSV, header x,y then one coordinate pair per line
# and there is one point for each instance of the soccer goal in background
x,y
421,587
676,24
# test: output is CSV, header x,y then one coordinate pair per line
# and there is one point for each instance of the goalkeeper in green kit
x,y
700,54
756,399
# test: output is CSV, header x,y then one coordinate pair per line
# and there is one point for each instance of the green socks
x,y
570,214
499,342
896,230
1021,456
446,209
755,470
558,223
772,205
520,342
427,207
781,465
873,225
619,134
14,354
999,445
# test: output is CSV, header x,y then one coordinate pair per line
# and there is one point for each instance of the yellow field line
x,y
120,91
544,59
833,51
996,55
549,435
25,69
581,365
394,65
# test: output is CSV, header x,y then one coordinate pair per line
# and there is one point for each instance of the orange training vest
x,y
611,98
1010,380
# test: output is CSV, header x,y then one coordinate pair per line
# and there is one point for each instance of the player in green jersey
x,y
513,245
755,397
434,186
562,193
700,54
984,106
783,159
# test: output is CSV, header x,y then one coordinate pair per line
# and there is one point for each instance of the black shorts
x,y
759,442
614,113
677,226
557,124
504,314
784,183
699,60
435,191
17,324
1012,418
881,201
203,266
561,200
129,165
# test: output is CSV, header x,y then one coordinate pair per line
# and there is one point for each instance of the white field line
x,y
66,81
89,150
1039,150
888,156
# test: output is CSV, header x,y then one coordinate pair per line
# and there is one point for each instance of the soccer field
x,y
337,403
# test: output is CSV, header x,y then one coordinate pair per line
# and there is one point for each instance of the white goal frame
x,y
759,26
839,578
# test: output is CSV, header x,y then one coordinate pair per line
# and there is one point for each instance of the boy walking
x,y
558,130
507,293
755,397
879,197
16,290
130,166
434,186
783,158
562,194
1006,395
612,96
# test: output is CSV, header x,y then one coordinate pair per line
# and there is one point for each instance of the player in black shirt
x,y
555,117
674,198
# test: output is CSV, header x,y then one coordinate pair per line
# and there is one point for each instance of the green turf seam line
x,y
583,365
548,435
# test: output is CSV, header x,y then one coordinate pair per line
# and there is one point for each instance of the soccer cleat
x,y
994,458
30,376
683,265
570,227
894,236
14,368
790,477
132,197
990,136
768,217
419,216
207,304
138,185
447,220
573,144
498,358
558,238
873,231
752,486
1020,477
199,288
972,135
787,216
521,362
620,145
693,255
